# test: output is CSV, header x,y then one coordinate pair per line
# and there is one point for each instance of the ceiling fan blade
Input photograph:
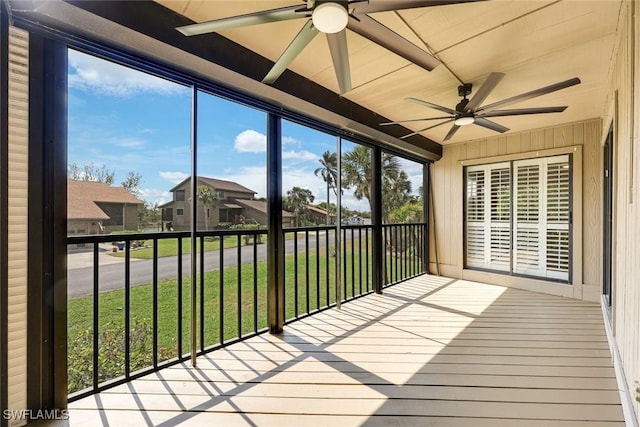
x,y
304,37
422,130
376,32
487,87
262,17
521,111
451,132
431,105
534,93
490,125
373,6
414,120
340,56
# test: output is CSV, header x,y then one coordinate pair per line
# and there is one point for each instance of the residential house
x,y
98,208
255,211
176,214
319,215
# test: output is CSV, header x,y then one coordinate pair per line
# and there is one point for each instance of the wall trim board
x,y
520,156
626,398
573,290
581,140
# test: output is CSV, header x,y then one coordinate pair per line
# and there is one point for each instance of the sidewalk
x,y
83,257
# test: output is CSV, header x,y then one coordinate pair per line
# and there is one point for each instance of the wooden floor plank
x,y
429,351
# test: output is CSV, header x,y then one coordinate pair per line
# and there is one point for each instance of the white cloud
x,y
129,142
250,141
153,195
173,176
92,74
303,155
289,140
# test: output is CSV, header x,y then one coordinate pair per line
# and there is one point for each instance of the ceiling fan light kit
x,y
471,111
464,120
330,17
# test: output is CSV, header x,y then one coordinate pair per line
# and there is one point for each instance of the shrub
x,y
111,353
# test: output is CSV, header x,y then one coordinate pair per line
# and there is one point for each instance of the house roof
x,y
319,210
83,195
261,206
218,184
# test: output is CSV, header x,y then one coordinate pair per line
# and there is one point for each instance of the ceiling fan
x,y
332,17
470,111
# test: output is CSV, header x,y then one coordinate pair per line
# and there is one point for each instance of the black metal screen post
x,y
194,224
47,204
377,274
425,209
275,237
4,243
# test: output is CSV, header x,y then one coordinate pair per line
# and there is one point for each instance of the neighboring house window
x,y
167,214
179,195
518,217
220,195
114,211
208,213
180,212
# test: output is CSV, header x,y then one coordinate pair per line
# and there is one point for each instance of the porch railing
x,y
131,316
404,251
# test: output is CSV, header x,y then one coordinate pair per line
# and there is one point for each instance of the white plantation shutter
x,y
488,216
475,217
526,223
500,210
526,232
558,217
541,220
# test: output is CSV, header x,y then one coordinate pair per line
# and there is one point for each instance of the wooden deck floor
x,y
430,351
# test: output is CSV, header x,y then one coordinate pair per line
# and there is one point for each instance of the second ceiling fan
x,y
332,18
471,111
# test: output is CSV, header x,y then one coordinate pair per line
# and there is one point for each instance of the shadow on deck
x,y
430,351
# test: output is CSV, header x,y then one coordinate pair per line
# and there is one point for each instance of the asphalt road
x,y
111,276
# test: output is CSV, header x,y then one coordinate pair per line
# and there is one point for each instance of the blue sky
x,y
132,121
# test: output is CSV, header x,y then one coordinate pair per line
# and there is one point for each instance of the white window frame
x,y
540,270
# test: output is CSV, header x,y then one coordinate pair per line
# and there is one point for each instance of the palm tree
x,y
356,167
208,197
297,201
329,173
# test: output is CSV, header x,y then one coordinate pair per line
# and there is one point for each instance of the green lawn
x,y
169,247
314,282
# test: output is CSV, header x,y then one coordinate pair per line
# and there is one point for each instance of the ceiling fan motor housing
x,y
465,89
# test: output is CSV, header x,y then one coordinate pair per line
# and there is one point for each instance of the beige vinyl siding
x,y
582,141
18,231
626,197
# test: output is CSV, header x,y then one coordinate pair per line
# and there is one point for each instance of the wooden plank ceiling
x,y
535,43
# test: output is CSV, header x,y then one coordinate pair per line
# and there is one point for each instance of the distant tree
x,y
396,193
329,173
149,214
208,197
297,201
132,183
91,172
409,212
356,166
